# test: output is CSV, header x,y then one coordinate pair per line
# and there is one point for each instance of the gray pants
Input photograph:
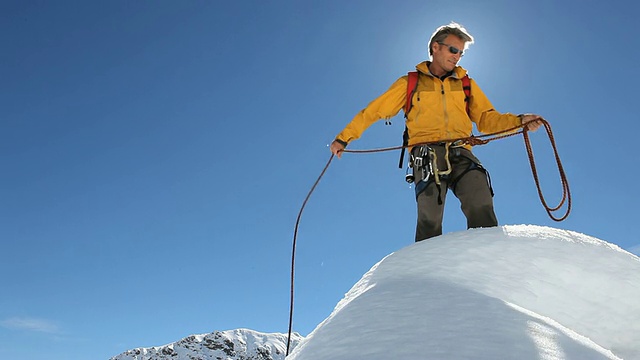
x,y
470,184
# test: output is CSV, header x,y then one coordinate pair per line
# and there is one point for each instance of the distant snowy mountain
x,y
512,292
240,344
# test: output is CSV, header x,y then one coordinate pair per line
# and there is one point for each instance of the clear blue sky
x,y
155,154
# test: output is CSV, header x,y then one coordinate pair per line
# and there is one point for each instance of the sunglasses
x,y
453,49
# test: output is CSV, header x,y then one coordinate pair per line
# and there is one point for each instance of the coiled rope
x,y
471,140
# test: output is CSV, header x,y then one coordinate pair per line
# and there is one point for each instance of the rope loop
x,y
566,192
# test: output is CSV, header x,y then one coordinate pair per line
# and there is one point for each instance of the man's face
x,y
442,55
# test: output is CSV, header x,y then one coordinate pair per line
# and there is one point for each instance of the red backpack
x,y
412,85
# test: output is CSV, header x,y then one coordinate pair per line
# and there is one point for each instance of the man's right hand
x,y
336,148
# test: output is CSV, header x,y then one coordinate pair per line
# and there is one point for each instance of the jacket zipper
x,y
444,108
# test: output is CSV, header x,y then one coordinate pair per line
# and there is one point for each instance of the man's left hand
x,y
533,121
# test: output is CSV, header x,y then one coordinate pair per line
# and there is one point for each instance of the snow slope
x,y
512,292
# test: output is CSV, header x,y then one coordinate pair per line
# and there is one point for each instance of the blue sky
x,y
154,155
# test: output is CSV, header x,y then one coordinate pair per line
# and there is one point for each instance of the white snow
x,y
512,292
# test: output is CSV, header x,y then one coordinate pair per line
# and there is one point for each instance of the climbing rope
x,y
293,251
566,193
470,140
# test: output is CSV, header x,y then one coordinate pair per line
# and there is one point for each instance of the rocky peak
x,y
239,344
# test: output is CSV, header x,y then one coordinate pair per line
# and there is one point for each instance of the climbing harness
x,y
424,163
425,156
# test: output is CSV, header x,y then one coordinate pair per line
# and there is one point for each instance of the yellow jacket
x,y
438,112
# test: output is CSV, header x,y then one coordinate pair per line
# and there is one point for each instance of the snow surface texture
x,y
240,344
512,292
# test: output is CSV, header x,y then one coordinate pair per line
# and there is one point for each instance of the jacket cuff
x,y
343,143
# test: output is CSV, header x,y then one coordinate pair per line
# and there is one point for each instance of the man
x,y
439,113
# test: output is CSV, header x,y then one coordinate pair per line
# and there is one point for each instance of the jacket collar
x,y
458,72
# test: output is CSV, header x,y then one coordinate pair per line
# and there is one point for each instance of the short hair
x,y
453,28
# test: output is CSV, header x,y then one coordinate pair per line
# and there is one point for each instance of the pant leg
x,y
474,193
430,213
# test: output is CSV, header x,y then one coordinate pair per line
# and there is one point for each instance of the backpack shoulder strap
x,y
412,85
466,86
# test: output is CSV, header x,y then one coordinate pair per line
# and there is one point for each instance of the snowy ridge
x,y
513,292
239,344
635,250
